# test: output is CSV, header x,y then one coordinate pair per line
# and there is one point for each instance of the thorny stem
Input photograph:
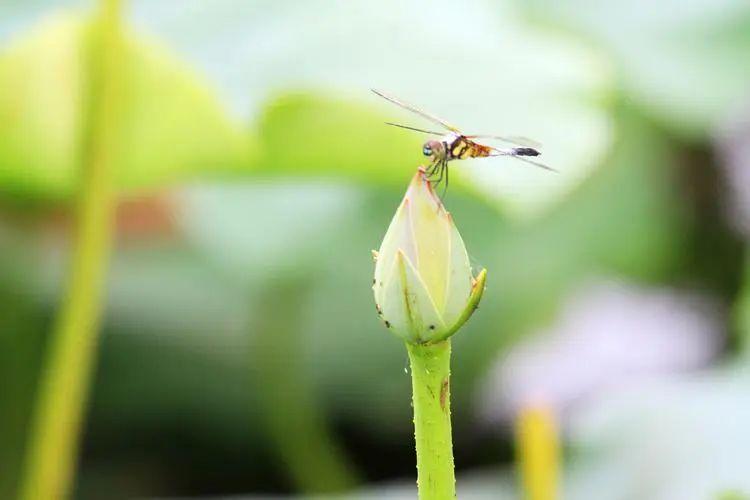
x,y
430,374
51,454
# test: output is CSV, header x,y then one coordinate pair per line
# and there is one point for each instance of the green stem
x,y
430,375
64,381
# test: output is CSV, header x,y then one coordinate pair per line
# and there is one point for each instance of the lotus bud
x,y
424,288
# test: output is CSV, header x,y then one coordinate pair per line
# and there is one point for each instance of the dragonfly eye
x,y
427,151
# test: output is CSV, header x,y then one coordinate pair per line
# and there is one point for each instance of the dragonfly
x,y
452,144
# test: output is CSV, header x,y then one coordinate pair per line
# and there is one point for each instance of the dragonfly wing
x,y
536,163
417,111
414,128
510,139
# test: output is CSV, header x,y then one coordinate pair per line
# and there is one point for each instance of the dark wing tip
x,y
526,152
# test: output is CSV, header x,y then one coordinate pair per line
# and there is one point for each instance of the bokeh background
x,y
240,352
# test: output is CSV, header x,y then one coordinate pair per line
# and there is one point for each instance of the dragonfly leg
x,y
433,169
439,167
445,186
430,172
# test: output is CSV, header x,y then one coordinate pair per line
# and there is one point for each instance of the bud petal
x,y
407,307
423,286
431,226
459,279
477,291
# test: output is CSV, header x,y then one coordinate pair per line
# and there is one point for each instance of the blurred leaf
x,y
684,61
683,439
310,134
173,127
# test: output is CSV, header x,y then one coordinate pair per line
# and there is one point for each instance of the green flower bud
x,y
424,289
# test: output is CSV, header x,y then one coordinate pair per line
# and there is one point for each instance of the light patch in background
x,y
608,335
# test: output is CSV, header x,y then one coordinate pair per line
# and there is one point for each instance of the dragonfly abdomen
x,y
463,148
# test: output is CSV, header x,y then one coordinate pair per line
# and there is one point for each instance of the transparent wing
x,y
510,139
417,111
536,163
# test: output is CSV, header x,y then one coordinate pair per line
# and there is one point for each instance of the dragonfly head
x,y
433,149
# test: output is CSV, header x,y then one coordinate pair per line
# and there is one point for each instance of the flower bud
x,y
424,289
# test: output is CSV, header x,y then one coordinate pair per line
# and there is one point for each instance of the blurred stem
x,y
430,375
291,408
64,381
538,453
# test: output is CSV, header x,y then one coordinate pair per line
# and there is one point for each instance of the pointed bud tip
x,y
421,185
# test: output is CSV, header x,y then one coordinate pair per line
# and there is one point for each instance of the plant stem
x,y
430,375
64,380
538,452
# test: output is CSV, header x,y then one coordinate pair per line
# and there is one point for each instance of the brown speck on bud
x,y
387,324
